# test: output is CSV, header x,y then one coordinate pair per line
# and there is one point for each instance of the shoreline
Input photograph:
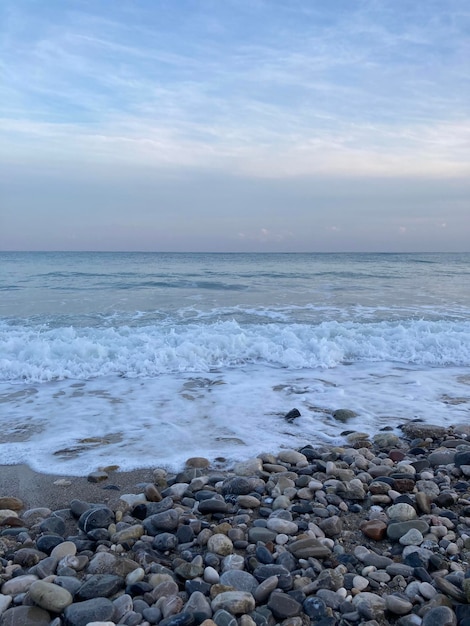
x,y
374,532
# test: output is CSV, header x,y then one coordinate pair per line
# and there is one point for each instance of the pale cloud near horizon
x,y
254,93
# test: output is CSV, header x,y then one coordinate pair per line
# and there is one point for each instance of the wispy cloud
x,y
367,89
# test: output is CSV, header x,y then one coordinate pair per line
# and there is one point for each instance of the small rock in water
x,y
292,415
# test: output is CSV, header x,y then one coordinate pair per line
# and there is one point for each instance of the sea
x,y
146,359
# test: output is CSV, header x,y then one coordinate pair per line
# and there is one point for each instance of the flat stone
x,y
197,462
237,485
397,605
19,584
25,616
180,619
374,529
396,530
258,533
5,602
420,430
441,456
239,580
280,525
199,606
309,547
132,533
9,502
248,502
212,505
332,526
100,585
188,571
412,538
49,596
283,606
440,616
369,605
166,520
235,602
81,613
252,467
292,457
263,572
97,477
264,589
63,549
99,517
152,493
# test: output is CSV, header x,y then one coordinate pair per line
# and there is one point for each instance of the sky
x,y
235,125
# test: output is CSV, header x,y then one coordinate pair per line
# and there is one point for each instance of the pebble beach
x,y
376,531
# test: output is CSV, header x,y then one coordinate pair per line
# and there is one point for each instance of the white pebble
x,y
135,576
211,575
282,539
360,583
427,590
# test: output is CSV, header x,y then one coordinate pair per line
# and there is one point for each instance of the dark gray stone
x,y
283,606
95,610
440,616
167,520
263,572
99,517
165,541
100,586
239,580
206,507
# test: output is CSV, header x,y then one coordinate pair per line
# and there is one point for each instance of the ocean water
x,y
146,359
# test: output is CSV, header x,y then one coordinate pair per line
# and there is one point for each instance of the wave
x,y
42,354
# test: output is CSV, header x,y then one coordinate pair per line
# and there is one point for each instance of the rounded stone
x,y
292,457
81,613
412,538
239,580
66,548
19,584
235,602
279,525
397,605
99,517
49,596
26,616
220,544
440,616
401,512
283,606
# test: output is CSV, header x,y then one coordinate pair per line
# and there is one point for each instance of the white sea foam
x,y
41,354
72,427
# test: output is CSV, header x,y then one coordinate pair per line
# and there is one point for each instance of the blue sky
x,y
235,125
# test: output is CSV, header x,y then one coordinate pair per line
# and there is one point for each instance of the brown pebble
x,y
8,502
423,502
374,529
12,521
152,493
197,462
404,485
396,455
97,477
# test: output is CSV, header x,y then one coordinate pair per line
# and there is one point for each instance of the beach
x,y
375,531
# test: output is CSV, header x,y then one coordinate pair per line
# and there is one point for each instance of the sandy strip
x,y
39,490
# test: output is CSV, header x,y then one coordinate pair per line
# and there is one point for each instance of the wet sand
x,y
39,490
